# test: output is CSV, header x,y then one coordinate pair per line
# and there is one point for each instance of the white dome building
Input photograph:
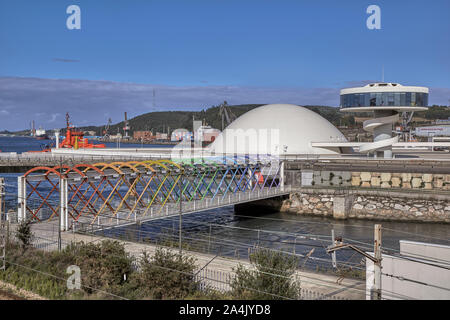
x,y
277,129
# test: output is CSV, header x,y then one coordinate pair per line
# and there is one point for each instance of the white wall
x,y
422,272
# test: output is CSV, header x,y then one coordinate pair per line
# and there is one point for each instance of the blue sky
x,y
196,53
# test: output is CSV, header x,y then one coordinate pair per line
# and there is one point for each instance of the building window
x,y
384,99
390,100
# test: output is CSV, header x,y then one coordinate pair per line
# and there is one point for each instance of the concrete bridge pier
x,y
342,205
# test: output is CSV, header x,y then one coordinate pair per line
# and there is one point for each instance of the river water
x,y
24,144
222,231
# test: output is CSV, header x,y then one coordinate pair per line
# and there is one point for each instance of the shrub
x,y
167,275
272,279
103,265
24,233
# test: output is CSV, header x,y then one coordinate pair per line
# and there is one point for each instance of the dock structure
x,y
120,193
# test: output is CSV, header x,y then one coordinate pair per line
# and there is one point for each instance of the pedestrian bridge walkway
x,y
119,193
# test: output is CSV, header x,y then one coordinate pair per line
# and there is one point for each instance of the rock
x,y
305,202
398,206
406,177
366,184
385,177
438,183
357,206
371,207
427,177
365,176
375,182
428,185
314,200
336,180
359,199
346,175
406,185
356,181
325,199
395,182
416,182
325,175
385,185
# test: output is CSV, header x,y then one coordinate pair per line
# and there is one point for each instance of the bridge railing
x,y
141,190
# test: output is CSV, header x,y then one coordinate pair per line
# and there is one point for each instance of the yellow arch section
x,y
107,165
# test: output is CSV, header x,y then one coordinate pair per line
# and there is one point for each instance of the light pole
x,y
180,184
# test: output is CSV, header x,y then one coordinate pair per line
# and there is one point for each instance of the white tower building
x,y
386,101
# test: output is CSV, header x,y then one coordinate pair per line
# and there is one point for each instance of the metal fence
x,y
208,278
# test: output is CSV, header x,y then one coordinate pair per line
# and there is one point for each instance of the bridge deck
x,y
124,217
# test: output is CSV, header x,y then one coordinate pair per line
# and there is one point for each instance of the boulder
x,y
365,176
428,185
356,181
375,182
416,182
385,185
395,182
406,177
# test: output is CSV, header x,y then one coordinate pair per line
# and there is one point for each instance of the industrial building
x,y
181,135
433,131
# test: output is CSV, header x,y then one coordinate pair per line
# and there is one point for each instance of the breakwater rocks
x,y
369,205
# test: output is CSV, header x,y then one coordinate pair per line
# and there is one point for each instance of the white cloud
x,y
93,102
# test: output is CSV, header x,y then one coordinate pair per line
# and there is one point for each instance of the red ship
x,y
75,139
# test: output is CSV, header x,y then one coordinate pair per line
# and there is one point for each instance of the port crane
x,y
126,128
106,129
226,114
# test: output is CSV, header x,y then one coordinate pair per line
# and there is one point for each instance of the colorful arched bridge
x,y
126,192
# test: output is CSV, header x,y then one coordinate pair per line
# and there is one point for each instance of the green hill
x,y
161,121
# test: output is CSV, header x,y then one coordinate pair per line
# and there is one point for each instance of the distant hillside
x,y
160,121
